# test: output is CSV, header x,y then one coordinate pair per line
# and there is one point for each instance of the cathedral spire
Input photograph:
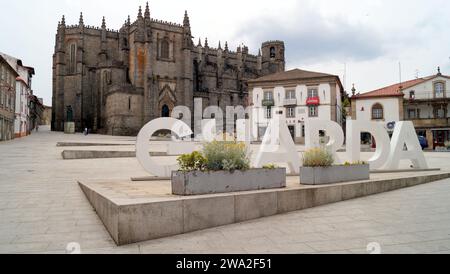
x,y
259,52
81,22
147,11
199,42
128,21
103,23
140,12
226,46
63,21
186,22
220,46
206,43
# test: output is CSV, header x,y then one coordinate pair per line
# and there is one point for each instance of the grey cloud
x,y
313,39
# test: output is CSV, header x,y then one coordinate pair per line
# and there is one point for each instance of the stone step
x,y
102,154
78,144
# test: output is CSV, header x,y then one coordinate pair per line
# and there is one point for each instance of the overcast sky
x,y
370,37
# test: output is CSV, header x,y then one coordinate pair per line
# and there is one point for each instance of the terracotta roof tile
x,y
392,90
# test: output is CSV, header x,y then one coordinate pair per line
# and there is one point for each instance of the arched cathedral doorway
x,y
165,111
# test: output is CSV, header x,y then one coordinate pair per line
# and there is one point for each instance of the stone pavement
x,y
42,209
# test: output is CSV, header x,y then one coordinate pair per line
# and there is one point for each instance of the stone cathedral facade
x,y
114,82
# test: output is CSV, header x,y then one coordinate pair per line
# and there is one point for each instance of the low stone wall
x,y
99,154
78,144
131,221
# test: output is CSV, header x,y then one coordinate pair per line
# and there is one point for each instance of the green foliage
x,y
355,163
192,162
346,102
317,157
226,156
270,166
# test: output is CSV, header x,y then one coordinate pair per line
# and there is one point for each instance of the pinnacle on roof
x,y
186,22
81,22
140,12
147,11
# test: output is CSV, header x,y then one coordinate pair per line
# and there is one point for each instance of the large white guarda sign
x,y
277,145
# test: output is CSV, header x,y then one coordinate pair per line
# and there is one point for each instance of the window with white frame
x,y
290,112
268,113
377,112
439,89
268,95
290,94
313,92
313,111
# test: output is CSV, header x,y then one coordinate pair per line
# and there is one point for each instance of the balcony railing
x,y
426,96
268,103
430,122
290,102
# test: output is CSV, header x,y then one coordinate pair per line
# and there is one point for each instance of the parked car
x,y
423,142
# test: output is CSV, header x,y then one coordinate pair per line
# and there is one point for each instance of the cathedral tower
x,y
273,59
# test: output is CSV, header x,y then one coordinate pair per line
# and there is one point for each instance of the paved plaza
x,y
42,209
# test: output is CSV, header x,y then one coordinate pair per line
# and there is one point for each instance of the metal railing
x,y
426,96
268,103
290,102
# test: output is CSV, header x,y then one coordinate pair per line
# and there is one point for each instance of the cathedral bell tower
x,y
273,57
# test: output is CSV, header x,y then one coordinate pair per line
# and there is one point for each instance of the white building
x,y
384,106
23,92
22,118
303,94
425,101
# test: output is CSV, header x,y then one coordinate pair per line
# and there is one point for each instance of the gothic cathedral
x,y
113,82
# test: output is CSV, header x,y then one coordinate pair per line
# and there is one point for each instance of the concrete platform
x,y
139,211
81,144
103,154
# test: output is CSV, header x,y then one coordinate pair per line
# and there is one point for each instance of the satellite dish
x,y
391,125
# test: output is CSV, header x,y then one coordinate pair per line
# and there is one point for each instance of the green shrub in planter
x,y
317,157
216,156
357,163
270,166
226,156
192,162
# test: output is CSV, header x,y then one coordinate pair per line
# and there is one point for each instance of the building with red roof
x,y
424,101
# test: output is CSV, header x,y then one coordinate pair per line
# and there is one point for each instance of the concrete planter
x,y
200,183
333,174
